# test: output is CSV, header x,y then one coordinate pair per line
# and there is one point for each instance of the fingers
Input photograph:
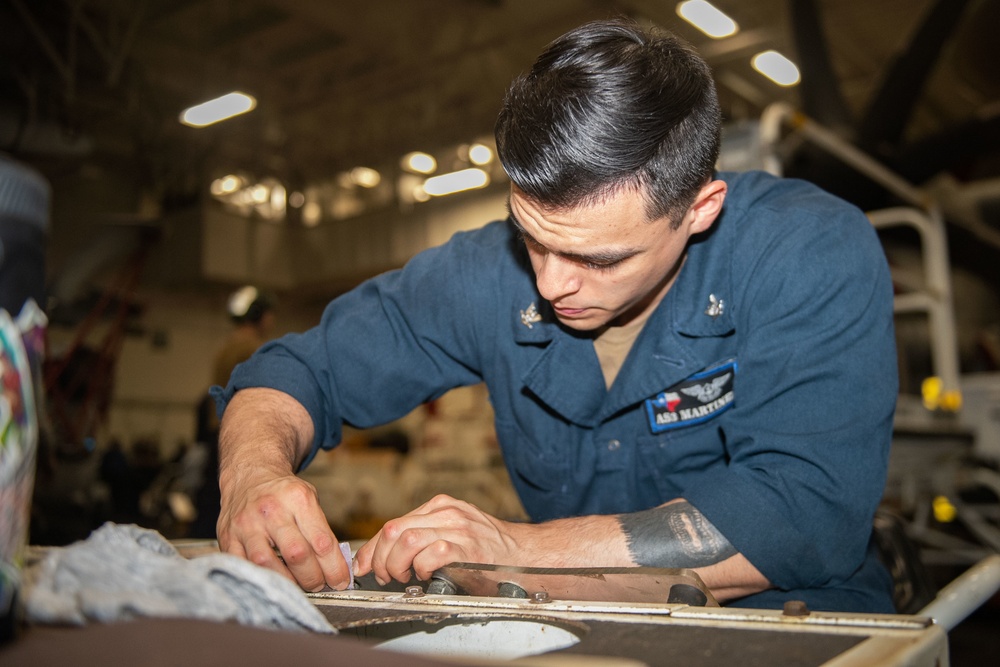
x,y
414,551
298,557
436,553
382,542
280,525
334,570
259,551
363,558
435,534
233,547
434,556
307,545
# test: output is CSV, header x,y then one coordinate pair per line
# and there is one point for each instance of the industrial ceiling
x,y
99,84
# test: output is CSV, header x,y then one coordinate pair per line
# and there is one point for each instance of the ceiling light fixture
x,y
226,185
366,177
777,68
419,163
480,154
221,108
456,181
706,17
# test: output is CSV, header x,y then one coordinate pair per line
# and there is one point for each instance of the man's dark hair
x,y
610,106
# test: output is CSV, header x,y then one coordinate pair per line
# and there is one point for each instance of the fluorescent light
x,y
221,108
777,68
226,185
420,163
366,177
480,154
456,181
707,18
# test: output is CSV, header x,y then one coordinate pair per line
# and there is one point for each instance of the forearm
x,y
587,541
264,432
674,535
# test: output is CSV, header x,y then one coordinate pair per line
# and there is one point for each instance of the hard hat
x,y
248,304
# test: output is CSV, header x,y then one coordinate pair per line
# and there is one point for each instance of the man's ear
x,y
706,207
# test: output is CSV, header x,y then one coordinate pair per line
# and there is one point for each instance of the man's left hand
x,y
443,530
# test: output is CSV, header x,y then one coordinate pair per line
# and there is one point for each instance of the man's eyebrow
x,y
602,257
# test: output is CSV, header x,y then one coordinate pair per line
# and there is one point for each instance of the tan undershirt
x,y
613,345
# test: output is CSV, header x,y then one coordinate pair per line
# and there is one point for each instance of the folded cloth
x,y
123,572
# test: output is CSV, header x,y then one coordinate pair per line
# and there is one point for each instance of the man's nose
x,y
557,277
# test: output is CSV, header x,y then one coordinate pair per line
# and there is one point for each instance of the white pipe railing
x,y
965,594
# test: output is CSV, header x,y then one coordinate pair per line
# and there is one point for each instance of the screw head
x,y
795,608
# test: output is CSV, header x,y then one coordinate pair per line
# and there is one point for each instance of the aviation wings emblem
x,y
708,391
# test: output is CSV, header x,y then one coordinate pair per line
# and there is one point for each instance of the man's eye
x,y
608,266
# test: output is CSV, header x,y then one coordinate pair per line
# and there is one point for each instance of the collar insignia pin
x,y
715,306
530,316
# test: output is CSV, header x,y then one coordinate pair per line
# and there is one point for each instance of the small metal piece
x,y
687,594
715,306
439,586
795,608
414,592
540,597
507,589
530,316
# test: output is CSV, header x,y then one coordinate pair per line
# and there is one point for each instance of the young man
x,y
687,370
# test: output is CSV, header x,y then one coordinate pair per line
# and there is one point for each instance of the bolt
x,y
441,587
795,608
511,590
414,592
540,597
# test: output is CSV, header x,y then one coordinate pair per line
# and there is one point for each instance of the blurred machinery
x,y
79,376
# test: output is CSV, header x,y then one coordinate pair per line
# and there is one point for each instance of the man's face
x,y
601,264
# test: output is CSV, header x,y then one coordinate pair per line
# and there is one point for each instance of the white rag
x,y
123,572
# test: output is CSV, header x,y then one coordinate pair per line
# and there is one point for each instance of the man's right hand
x,y
269,516
278,523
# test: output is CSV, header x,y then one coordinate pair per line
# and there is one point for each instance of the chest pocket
x,y
669,459
545,471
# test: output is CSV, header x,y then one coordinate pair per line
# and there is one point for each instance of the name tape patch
x,y
694,400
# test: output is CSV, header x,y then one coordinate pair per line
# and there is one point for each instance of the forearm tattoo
x,y
675,535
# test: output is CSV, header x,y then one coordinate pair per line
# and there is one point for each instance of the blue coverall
x,y
761,389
